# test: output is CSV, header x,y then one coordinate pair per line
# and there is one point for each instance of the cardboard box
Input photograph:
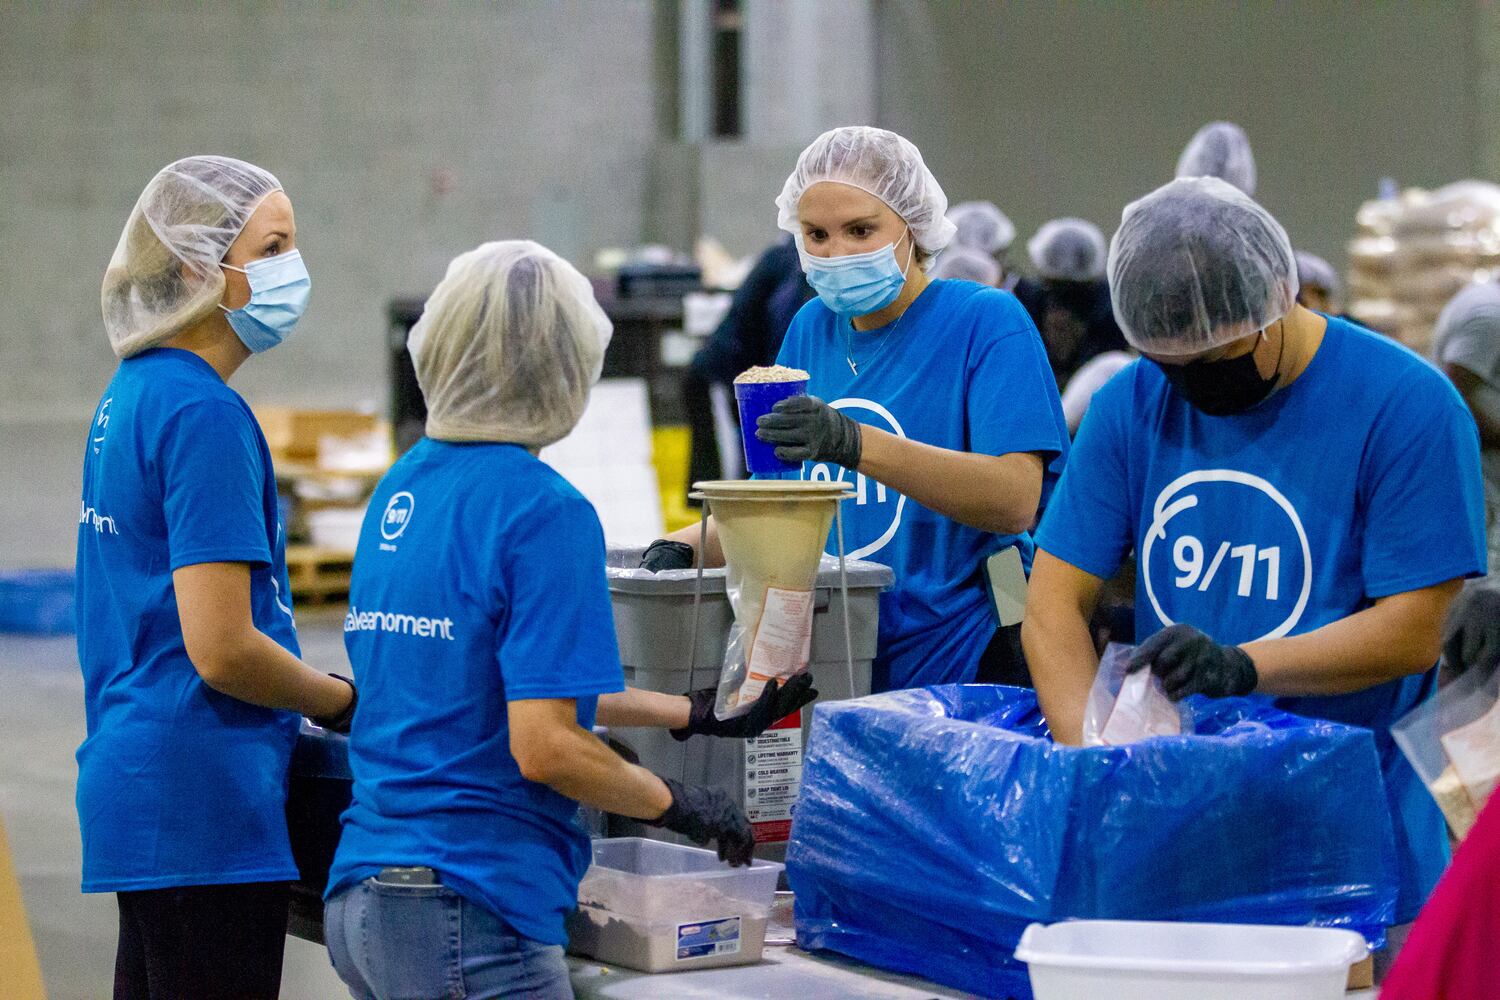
x,y
294,433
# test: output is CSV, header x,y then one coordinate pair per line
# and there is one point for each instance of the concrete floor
x,y
41,724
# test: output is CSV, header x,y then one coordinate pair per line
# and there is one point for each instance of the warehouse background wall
x,y
404,133
1056,109
407,133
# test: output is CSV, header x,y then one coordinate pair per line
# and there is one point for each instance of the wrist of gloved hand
x,y
775,703
806,429
664,554
704,814
340,722
1190,662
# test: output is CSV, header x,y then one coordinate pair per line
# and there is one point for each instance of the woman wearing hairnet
x,y
480,628
192,681
932,398
1303,497
1069,298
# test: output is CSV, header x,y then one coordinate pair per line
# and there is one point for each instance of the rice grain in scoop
x,y
760,375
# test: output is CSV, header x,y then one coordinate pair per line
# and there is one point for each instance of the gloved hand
x,y
806,429
775,703
1189,662
667,554
340,723
1471,637
702,814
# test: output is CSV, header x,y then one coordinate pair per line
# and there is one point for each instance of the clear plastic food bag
x,y
1453,743
1124,708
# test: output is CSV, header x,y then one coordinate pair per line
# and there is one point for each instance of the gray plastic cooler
x,y
654,626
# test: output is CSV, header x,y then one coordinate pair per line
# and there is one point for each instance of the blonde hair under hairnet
x,y
164,275
877,162
1222,150
508,346
1196,264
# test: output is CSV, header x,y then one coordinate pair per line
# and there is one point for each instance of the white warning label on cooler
x,y
773,779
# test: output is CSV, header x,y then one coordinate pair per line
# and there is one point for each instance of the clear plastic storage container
x,y
661,907
1152,960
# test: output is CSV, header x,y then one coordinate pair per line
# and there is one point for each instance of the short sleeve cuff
x,y
538,692
197,557
1376,589
1094,565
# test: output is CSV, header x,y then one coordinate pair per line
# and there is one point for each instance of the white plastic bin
x,y
1147,960
661,907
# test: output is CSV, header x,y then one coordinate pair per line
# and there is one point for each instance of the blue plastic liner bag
x,y
936,824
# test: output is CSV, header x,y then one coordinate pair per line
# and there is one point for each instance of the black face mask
x,y
1222,388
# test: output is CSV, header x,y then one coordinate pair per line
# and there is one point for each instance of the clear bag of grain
x,y
1453,743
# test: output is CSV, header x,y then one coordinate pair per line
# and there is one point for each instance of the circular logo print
x,y
1227,543
397,516
873,516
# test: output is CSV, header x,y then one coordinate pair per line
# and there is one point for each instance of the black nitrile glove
x,y
1471,638
1189,662
340,723
667,554
702,814
806,429
774,704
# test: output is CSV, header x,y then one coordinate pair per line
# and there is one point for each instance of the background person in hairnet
x,y
980,226
1222,150
1318,286
1069,298
931,397
1303,497
750,334
480,629
1466,346
191,677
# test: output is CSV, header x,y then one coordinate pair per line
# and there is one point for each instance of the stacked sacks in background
x,y
1413,252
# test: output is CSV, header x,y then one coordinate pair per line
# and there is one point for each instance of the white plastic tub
x,y
1145,960
660,907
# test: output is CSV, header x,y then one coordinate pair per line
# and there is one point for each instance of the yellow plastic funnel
x,y
772,533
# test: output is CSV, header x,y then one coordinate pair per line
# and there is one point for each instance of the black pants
x,y
1002,661
204,942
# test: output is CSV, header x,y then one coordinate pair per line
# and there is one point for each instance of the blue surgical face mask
x,y
857,284
278,296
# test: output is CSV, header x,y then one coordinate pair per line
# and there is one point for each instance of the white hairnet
x,y
981,226
164,275
508,346
966,264
1222,150
880,163
1315,271
1474,310
1068,250
1196,264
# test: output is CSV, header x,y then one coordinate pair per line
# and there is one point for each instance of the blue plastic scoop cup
x,y
756,399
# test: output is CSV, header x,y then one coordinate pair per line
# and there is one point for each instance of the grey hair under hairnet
x,y
164,275
966,264
981,225
877,162
1222,150
1196,264
508,346
1068,250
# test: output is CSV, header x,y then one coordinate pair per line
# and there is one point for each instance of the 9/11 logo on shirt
x,y
396,518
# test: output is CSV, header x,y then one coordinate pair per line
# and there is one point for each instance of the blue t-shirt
x,y
1358,481
479,580
962,369
177,783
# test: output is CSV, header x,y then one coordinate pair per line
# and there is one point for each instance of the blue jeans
x,y
426,942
